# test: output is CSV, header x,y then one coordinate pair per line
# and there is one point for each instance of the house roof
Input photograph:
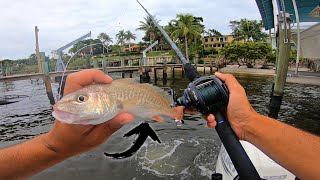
x,y
304,9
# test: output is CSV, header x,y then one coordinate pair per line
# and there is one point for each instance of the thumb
x,y
116,123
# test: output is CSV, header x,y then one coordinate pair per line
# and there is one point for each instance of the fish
x,y
98,103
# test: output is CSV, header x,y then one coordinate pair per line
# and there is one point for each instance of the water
x,y
186,152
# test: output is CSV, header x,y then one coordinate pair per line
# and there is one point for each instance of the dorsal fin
x,y
126,81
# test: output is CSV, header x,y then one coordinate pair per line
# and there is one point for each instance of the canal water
x,y
186,152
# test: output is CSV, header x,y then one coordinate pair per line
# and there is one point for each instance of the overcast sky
x,y
62,21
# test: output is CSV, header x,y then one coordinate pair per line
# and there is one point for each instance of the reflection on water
x,y
187,152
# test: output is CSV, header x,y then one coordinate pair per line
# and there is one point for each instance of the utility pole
x,y
282,63
37,50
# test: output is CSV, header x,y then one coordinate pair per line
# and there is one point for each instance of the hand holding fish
x,y
71,139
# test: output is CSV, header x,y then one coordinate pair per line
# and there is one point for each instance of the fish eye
x,y
81,99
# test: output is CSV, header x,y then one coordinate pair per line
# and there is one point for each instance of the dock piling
x,y
283,55
104,66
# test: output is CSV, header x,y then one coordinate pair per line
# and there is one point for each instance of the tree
x,y
246,52
105,39
87,49
186,27
121,36
248,30
150,28
128,36
213,32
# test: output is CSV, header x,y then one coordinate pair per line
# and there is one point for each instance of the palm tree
x,y
128,36
213,32
186,27
148,26
105,39
121,39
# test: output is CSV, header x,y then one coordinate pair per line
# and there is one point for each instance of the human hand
x,y
239,111
70,139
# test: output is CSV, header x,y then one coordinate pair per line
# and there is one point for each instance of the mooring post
x,y
140,73
211,69
164,71
88,63
104,66
122,62
37,50
204,68
47,82
172,72
123,74
95,63
155,74
182,72
2,68
282,64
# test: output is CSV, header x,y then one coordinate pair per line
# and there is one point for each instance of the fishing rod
x,y
210,95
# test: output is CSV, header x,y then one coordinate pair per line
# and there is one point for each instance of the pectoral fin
x,y
157,118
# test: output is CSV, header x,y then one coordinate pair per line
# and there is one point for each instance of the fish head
x,y
85,107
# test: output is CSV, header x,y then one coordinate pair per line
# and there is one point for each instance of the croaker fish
x,y
99,103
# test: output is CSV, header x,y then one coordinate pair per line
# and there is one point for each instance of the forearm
x,y
292,148
26,159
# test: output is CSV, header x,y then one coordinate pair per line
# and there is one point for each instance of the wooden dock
x,y
124,69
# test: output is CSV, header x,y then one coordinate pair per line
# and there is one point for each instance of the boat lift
x,y
144,58
57,54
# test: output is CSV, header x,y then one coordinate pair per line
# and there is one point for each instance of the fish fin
x,y
157,118
126,81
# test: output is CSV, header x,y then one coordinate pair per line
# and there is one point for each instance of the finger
x,y
229,79
118,121
212,124
211,118
86,77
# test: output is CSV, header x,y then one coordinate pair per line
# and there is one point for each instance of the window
x,y
212,39
225,39
206,40
206,45
210,45
219,45
221,39
214,45
217,39
222,45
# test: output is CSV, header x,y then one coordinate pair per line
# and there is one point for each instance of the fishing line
x,y
76,53
33,88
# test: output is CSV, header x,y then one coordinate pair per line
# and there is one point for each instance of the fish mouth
x,y
64,116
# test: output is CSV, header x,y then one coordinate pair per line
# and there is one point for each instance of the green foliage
x,y
210,51
121,37
78,63
85,44
105,39
271,56
246,52
213,32
186,29
150,29
293,57
248,30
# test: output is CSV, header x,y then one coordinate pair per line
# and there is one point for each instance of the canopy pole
x,y
298,35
